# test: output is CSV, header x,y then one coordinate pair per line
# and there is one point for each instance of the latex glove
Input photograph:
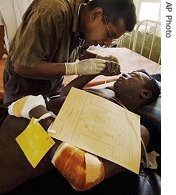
x,y
108,58
85,67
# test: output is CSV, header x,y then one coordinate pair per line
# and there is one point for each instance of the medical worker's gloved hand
x,y
85,67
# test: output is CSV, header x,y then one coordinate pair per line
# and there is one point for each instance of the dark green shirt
x,y
48,32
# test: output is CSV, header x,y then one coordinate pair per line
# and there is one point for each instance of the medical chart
x,y
100,127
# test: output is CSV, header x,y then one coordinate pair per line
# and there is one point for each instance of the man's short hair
x,y
115,10
153,86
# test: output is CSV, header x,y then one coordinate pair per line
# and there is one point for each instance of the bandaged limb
x,y
23,106
83,170
32,106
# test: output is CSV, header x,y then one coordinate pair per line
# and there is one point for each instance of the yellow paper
x,y
35,142
101,127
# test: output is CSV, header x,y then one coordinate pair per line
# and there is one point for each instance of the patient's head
x,y
136,89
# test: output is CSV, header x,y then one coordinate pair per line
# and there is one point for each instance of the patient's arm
x,y
78,82
93,169
112,68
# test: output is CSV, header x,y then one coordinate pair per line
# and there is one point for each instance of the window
x,y
149,10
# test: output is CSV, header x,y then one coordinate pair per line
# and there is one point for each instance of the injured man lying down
x,y
82,169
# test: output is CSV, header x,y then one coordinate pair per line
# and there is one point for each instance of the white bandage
x,y
83,170
45,116
23,106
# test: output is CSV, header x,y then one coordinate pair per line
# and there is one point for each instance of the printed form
x,y
100,127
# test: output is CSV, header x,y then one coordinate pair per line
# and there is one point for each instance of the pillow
x,y
157,77
151,119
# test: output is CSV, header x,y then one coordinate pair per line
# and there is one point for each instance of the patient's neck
x,y
133,106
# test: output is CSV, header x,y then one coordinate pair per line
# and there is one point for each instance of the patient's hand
x,y
108,58
113,67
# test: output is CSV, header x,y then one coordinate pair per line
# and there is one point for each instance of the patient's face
x,y
130,85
